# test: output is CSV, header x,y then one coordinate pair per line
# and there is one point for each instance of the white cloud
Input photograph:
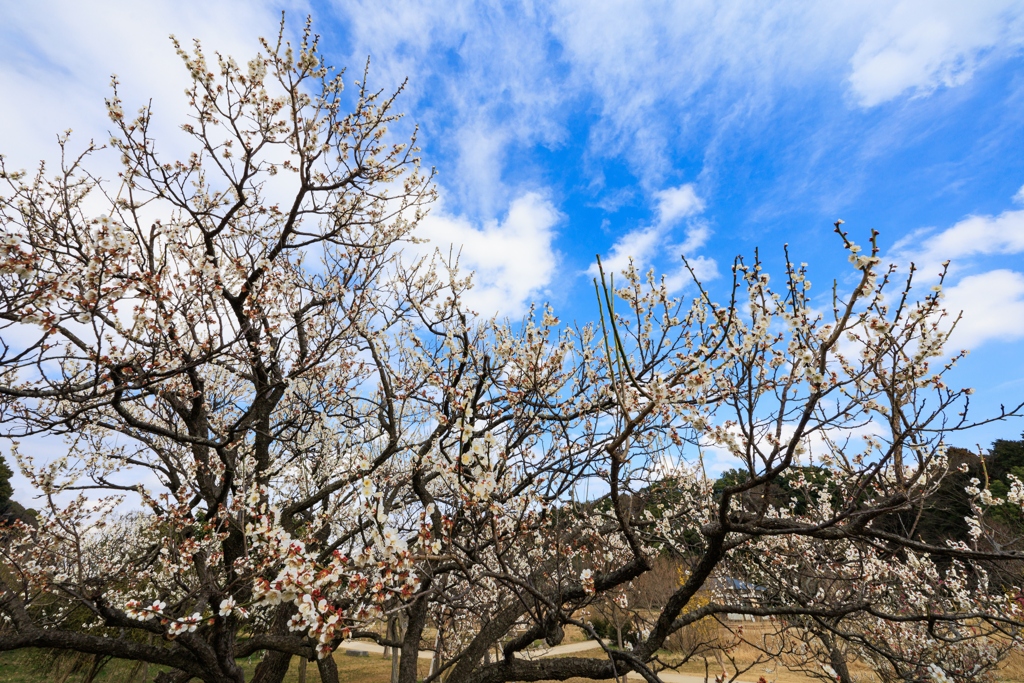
x,y
59,55
676,203
482,81
697,235
513,71
645,245
660,70
479,166
1019,197
513,259
704,268
992,302
657,74
992,305
921,45
973,236
637,246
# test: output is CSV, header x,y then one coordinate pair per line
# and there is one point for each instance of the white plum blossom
x,y
227,605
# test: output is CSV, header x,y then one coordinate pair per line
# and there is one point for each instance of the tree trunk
x,y
407,667
328,669
387,634
274,665
272,668
98,662
435,661
837,659
76,662
302,669
618,640
145,665
174,676
395,633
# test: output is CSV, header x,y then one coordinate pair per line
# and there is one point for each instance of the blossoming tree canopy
x,y
284,431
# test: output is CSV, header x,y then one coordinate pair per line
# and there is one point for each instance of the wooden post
x,y
435,661
396,632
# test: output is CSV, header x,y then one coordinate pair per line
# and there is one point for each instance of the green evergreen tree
x,y
6,490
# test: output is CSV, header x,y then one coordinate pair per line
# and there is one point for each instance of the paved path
x,y
370,647
538,652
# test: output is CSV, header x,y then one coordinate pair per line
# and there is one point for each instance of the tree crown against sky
x,y
571,129
315,434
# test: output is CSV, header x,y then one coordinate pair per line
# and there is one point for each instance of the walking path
x,y
371,648
569,648
368,648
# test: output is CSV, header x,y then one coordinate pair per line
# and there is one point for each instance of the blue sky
x,y
643,129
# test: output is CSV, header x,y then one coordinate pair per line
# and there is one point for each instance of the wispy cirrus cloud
x,y
918,46
659,80
491,83
658,244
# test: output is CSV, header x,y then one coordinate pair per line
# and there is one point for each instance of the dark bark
x,y
98,662
559,669
328,669
407,667
122,649
272,668
837,659
173,677
396,631
465,670
274,665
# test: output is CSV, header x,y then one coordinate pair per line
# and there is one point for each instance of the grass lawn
x,y
35,666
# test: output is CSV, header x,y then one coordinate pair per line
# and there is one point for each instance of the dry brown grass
x,y
775,671
371,669
1012,670
376,669
21,668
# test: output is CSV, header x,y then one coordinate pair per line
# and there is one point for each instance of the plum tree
x,y
284,429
